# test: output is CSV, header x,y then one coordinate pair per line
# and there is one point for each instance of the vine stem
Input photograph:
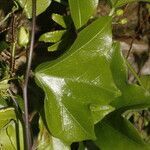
x,y
25,97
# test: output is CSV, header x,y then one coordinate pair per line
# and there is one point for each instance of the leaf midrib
x,y
46,68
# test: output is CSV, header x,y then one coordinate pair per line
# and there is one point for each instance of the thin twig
x,y
14,100
9,14
6,29
131,45
13,46
27,125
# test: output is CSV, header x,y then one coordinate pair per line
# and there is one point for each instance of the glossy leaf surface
x,y
133,96
116,133
27,6
82,10
76,80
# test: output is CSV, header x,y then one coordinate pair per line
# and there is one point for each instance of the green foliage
x,y
9,138
85,85
82,11
23,36
63,21
146,82
72,83
117,133
133,96
52,37
60,39
11,132
117,130
3,88
27,6
5,116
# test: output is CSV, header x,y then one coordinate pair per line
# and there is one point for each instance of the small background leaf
x,y
63,21
54,36
82,10
27,6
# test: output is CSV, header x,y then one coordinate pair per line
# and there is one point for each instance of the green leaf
x,y
64,43
48,142
63,39
6,115
133,96
27,6
117,133
3,88
76,80
11,136
4,84
99,112
20,102
52,37
23,36
54,47
64,2
118,67
3,102
11,132
63,21
82,10
59,1
145,79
